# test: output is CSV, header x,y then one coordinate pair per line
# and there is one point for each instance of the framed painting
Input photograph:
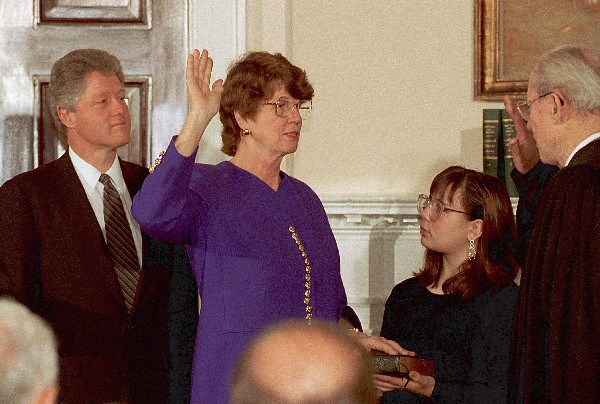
x,y
132,13
510,36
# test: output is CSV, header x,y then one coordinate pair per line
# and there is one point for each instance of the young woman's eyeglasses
x,y
284,107
435,207
523,107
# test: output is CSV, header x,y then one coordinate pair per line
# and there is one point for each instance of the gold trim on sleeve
x,y
156,161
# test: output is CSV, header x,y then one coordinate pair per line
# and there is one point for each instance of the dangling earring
x,y
472,252
245,132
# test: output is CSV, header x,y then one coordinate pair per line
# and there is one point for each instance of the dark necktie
x,y
120,241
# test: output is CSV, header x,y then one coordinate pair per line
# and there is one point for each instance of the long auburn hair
x,y
484,197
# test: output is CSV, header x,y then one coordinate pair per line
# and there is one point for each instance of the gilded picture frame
x,y
510,36
94,13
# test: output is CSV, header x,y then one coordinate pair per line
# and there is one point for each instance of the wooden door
x,y
150,39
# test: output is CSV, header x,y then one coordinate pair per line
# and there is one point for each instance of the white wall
x,y
393,107
394,90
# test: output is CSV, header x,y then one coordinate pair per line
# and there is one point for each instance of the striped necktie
x,y
120,241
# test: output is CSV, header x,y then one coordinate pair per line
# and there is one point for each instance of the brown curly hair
x,y
484,197
251,80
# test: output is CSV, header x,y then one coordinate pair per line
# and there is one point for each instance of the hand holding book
x,y
403,372
401,365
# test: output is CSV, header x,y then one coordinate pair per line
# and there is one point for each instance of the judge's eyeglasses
x,y
523,107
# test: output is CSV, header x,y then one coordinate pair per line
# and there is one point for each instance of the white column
x,y
220,27
379,245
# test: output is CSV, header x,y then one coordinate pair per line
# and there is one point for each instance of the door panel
x,y
152,53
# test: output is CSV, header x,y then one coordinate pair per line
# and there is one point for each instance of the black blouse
x,y
468,340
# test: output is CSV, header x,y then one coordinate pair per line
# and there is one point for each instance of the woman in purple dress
x,y
258,240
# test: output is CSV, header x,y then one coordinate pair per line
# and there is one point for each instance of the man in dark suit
x,y
72,252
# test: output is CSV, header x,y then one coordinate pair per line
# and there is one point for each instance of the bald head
x,y
299,363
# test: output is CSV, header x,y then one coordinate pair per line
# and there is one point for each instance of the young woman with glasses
x,y
458,309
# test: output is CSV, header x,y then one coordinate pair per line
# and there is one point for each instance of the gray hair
x,y
68,77
572,70
28,354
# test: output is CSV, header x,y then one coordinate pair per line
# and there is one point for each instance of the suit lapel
x,y
156,256
75,200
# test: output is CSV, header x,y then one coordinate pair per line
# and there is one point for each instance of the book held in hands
x,y
401,365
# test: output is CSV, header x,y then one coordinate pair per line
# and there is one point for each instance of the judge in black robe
x,y
556,337
558,317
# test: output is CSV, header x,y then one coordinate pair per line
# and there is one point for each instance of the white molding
x,y
379,212
220,27
380,246
379,243
274,36
276,21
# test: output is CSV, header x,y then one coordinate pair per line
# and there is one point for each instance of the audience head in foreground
x,y
294,362
28,356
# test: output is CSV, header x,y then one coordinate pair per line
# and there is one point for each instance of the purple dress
x,y
249,270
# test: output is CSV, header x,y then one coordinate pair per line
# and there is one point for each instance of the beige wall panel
x,y
394,91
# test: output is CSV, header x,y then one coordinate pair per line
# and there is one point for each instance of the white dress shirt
x,y
94,189
581,145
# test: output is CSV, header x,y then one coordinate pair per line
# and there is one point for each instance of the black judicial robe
x,y
555,352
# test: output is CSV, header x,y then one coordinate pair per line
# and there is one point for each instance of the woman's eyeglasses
x,y
285,106
436,207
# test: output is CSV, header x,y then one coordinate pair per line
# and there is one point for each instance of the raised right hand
x,y
197,77
204,101
523,147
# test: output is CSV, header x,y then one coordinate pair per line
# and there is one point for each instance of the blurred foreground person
x,y
295,363
28,356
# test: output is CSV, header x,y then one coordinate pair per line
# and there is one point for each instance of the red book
x,y
401,365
